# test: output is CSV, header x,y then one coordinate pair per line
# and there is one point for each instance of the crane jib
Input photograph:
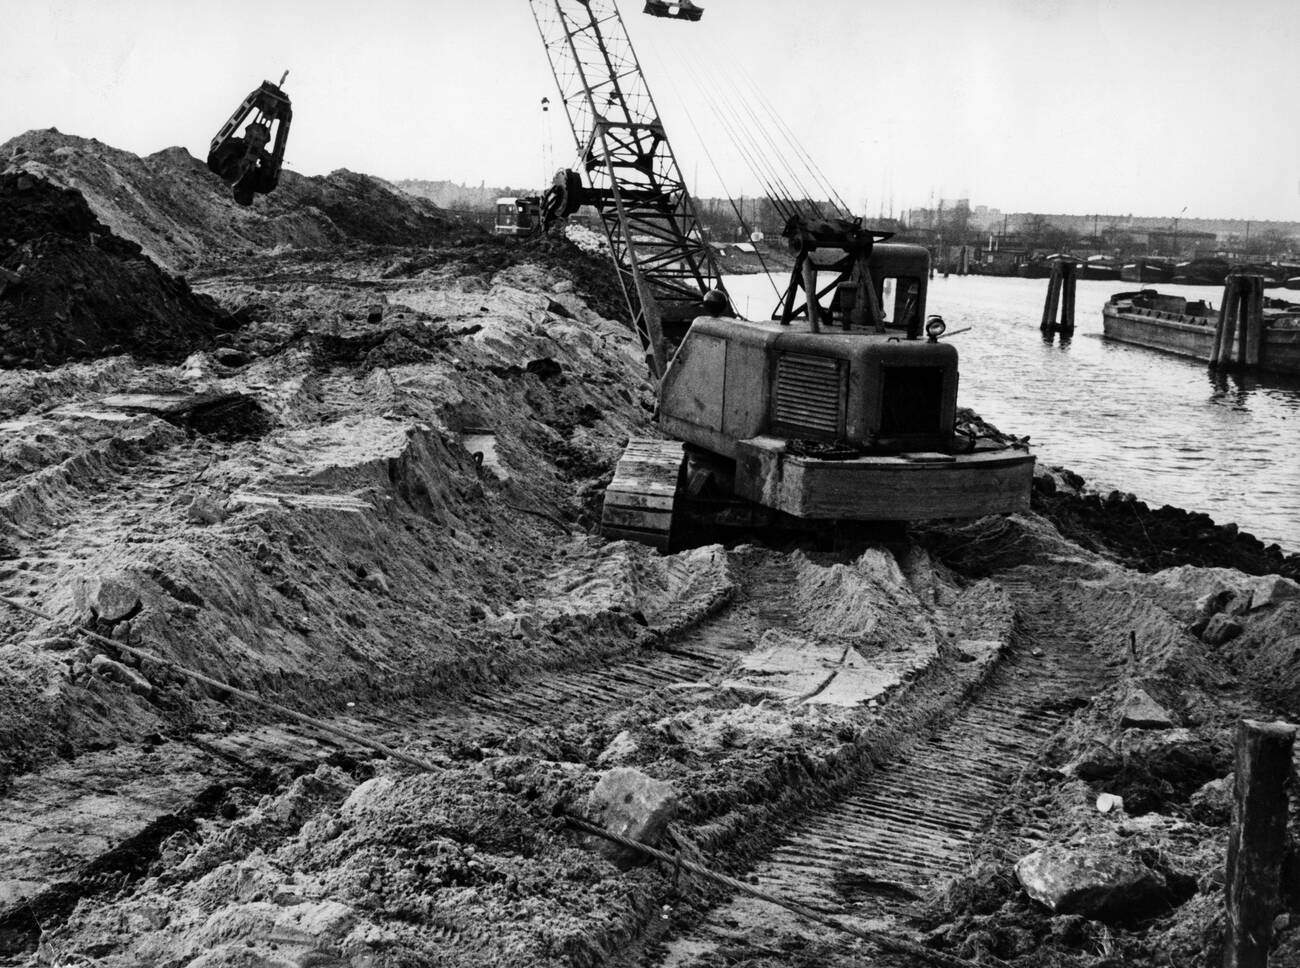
x,y
664,265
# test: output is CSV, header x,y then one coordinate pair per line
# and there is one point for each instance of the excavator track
x,y
911,826
641,500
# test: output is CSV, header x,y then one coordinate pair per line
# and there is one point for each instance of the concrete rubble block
x,y
621,747
1140,711
205,509
1211,603
107,668
1093,880
1273,590
110,599
1221,628
1212,803
629,803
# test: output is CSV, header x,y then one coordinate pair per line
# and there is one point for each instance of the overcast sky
x,y
1081,106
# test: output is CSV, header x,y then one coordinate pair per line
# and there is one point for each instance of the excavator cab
x,y
251,163
681,10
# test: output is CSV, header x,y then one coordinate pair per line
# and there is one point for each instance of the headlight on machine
x,y
935,327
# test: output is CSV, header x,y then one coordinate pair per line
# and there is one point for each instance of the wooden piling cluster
x,y
1257,842
1060,292
1240,328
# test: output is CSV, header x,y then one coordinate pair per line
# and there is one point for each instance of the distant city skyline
x,y
1044,105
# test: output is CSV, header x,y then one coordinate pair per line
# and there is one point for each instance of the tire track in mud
x,y
910,825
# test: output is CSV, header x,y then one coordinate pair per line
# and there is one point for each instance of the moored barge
x,y
1187,328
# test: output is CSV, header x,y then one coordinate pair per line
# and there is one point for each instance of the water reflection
x,y
1161,426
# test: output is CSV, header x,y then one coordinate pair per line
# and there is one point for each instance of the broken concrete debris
x,y
627,802
1092,879
1140,711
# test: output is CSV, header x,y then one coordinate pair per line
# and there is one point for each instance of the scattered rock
x,y
620,748
628,802
205,510
107,668
108,599
376,581
1140,711
1097,762
228,356
1219,629
1092,880
1211,603
1106,802
1212,803
1273,590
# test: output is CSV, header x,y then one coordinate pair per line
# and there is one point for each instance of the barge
x,y
1187,327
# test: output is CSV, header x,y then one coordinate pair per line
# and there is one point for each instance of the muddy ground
x,y
371,496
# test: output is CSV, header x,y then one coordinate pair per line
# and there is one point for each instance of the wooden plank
x,y
1257,840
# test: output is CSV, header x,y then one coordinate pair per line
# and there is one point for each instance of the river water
x,y
1126,418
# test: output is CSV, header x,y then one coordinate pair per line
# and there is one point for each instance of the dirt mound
x,y
71,289
184,216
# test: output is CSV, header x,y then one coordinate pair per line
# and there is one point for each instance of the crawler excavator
x,y
843,410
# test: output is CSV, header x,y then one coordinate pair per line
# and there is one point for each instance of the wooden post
x,y
1068,276
1257,840
1243,317
1053,296
1222,353
1254,321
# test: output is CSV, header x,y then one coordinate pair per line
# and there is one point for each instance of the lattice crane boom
x,y
664,264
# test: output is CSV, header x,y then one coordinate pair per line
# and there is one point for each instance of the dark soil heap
x,y
71,289
184,216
